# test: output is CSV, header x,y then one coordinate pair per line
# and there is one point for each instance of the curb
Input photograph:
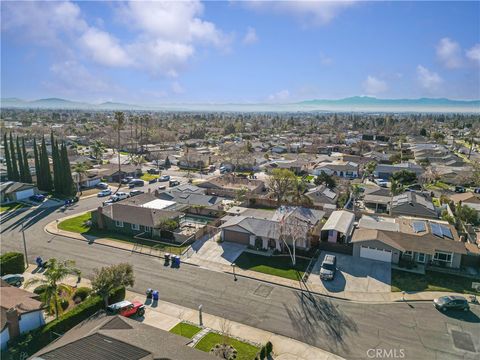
x,y
108,245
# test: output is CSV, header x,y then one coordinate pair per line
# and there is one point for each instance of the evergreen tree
x,y
21,163
15,173
57,172
28,175
69,187
38,166
8,159
167,163
45,172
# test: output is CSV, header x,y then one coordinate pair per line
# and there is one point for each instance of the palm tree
x,y
97,150
298,192
80,169
54,289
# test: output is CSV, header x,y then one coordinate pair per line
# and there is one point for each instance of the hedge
x,y
12,263
36,339
82,293
117,295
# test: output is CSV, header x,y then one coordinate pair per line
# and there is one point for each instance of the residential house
x,y
469,199
20,312
118,337
385,171
338,228
12,191
269,233
322,195
423,241
228,185
377,198
345,169
296,166
111,173
140,215
413,204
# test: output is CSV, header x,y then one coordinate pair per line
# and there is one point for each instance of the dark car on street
x,y
13,279
445,303
136,192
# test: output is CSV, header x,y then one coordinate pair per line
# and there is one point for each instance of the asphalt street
x,y
402,330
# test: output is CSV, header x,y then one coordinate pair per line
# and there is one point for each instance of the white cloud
x,y
325,60
428,79
177,88
317,12
279,96
474,53
449,53
250,37
374,86
104,48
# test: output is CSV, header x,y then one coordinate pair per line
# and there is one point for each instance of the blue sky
x,y
237,51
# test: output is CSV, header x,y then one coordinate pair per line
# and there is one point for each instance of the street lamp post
x,y
200,320
234,275
24,245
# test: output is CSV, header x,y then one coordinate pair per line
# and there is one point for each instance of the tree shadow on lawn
x,y
317,317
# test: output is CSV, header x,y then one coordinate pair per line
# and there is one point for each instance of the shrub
x,y
263,353
117,295
39,290
269,347
82,293
64,304
12,263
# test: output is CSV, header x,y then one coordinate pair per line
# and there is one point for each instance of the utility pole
x,y
24,245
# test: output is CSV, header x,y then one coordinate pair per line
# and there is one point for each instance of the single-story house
x,y
111,173
385,171
20,312
12,191
423,241
287,223
469,199
412,204
345,169
86,181
143,214
377,198
228,185
339,227
118,337
322,195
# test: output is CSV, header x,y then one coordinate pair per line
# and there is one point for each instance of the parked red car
x,y
126,308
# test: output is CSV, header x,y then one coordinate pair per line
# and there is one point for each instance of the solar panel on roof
x,y
446,231
436,229
419,226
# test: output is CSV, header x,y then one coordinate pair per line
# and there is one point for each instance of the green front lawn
x,y
273,265
185,330
148,177
431,281
244,351
10,207
78,225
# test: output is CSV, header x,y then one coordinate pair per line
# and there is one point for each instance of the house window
x,y
421,257
408,253
148,229
135,227
118,223
442,256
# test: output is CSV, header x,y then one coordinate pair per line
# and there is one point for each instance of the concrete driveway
x,y
210,251
354,274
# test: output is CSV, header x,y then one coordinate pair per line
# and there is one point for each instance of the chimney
x,y
156,192
12,322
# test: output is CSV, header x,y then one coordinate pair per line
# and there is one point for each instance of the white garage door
x,y
24,194
376,254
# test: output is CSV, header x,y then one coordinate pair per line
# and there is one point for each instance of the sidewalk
x,y
166,315
369,297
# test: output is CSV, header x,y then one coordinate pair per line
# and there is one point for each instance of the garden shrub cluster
x,y
12,263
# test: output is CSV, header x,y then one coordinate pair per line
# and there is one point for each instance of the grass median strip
x,y
245,351
79,224
185,330
273,265
431,281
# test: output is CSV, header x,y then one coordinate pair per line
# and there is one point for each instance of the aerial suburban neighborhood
x,y
276,229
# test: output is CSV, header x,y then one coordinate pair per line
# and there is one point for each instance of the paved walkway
x,y
378,297
166,315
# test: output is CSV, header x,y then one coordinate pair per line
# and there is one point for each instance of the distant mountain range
x,y
356,103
